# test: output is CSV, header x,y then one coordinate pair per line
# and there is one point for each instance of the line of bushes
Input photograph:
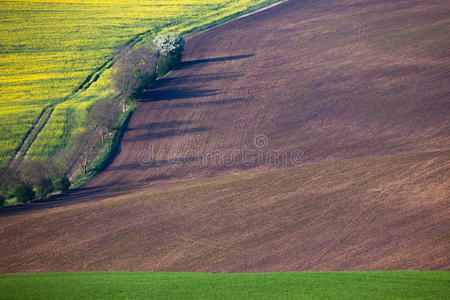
x,y
135,70
30,181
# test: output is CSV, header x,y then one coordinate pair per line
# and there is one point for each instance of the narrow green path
x,y
162,285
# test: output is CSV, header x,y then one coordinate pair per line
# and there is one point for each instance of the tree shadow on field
x,y
148,163
188,63
147,136
199,104
159,125
186,86
196,79
176,94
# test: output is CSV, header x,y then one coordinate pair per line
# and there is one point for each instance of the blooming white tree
x,y
171,43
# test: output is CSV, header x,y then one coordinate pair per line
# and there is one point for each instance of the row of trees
x,y
32,180
137,68
102,122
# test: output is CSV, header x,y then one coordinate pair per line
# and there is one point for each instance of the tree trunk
x,y
84,164
102,134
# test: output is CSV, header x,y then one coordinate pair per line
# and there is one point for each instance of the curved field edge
x,y
155,285
70,117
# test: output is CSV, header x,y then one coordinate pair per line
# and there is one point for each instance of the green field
x,y
55,56
153,285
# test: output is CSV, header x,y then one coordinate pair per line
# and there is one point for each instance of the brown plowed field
x,y
326,79
355,92
383,212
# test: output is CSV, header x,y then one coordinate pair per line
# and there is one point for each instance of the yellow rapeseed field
x,y
48,48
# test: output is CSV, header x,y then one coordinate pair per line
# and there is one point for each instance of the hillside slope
x,y
310,136
385,212
313,79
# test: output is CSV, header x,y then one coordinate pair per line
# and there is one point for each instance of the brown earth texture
x,y
310,136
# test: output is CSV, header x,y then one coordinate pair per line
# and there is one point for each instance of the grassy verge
x,y
151,285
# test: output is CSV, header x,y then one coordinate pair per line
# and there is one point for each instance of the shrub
x,y
167,63
2,201
44,187
63,184
24,193
104,114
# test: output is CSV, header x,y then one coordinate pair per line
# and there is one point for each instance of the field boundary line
x,y
17,157
233,18
38,129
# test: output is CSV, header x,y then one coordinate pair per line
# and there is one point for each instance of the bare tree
x,y
84,161
133,71
32,171
104,114
85,146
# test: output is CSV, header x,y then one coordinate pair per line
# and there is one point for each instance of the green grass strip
x,y
162,285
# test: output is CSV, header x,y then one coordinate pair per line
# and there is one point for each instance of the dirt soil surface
x,y
311,83
375,213
326,79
